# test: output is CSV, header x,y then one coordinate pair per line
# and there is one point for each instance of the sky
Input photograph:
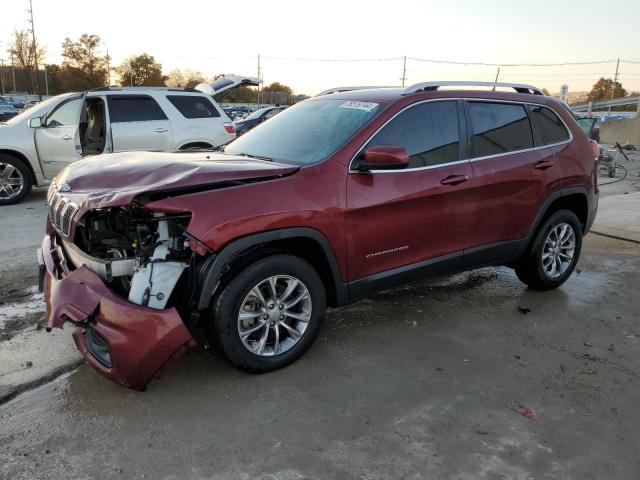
x,y
293,36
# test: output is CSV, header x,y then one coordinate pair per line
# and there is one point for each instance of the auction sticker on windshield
x,y
366,106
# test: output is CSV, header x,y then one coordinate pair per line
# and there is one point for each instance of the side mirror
x,y
35,122
384,157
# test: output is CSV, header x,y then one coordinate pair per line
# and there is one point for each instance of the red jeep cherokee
x,y
331,200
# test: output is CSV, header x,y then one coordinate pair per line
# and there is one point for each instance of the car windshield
x,y
28,113
306,133
257,113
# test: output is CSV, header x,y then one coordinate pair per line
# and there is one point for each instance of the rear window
x,y
130,108
550,126
499,128
194,106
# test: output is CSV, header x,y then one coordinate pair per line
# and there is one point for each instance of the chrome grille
x,y
61,212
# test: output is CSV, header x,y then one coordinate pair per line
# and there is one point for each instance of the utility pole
x,y
613,87
2,74
46,80
260,83
615,80
108,69
13,73
495,82
404,70
35,48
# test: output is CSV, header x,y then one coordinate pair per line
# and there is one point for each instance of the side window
x,y
67,114
499,128
134,108
194,106
429,132
551,127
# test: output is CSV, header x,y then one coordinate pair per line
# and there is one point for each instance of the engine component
x,y
153,282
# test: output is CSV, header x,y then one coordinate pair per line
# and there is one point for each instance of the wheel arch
x,y
574,199
306,243
195,145
23,158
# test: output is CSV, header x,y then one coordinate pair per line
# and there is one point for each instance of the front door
x,y
58,140
138,123
401,217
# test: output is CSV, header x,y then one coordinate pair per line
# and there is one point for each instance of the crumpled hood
x,y
115,179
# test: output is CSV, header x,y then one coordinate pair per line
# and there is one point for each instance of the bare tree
x,y
26,54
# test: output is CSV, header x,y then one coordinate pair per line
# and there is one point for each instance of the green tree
x,y
278,87
277,93
141,70
602,90
83,68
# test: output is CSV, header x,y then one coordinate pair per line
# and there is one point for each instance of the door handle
x,y
543,164
161,130
454,180
66,137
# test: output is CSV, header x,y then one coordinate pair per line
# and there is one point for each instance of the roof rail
x,y
349,89
115,88
431,86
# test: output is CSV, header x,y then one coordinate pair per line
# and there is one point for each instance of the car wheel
x,y
269,314
553,254
15,180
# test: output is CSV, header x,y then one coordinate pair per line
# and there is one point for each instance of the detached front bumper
x,y
127,343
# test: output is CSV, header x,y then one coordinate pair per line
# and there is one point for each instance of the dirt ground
x,y
426,381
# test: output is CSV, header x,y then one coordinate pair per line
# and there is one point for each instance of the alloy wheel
x,y
274,315
11,181
558,250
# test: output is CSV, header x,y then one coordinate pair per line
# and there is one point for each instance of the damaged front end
x,y
126,276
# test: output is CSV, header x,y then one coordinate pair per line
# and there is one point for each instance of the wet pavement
x,y
416,382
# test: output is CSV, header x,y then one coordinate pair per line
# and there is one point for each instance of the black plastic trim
x,y
214,270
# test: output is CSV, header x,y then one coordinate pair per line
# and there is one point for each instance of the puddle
x,y
29,304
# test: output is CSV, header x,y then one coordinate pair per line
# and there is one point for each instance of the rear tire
x,y
15,180
279,336
553,254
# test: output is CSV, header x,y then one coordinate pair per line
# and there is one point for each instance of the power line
x,y
486,64
299,59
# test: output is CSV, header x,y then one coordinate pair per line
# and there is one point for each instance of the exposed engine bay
x,y
141,254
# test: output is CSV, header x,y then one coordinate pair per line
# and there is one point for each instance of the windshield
x,y
257,113
306,133
41,108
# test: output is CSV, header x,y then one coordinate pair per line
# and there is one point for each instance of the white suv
x,y
41,141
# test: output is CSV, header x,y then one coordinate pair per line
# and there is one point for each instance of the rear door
x,y
58,139
401,217
227,82
512,168
138,123
197,119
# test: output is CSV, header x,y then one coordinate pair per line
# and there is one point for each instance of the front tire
x,y
15,180
269,314
553,253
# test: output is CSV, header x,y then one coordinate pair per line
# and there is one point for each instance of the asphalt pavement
x,y
469,376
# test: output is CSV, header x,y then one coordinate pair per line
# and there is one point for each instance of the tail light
x,y
595,149
230,127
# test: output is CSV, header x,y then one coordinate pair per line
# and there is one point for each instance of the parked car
x,y
333,199
42,140
590,126
7,112
256,118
